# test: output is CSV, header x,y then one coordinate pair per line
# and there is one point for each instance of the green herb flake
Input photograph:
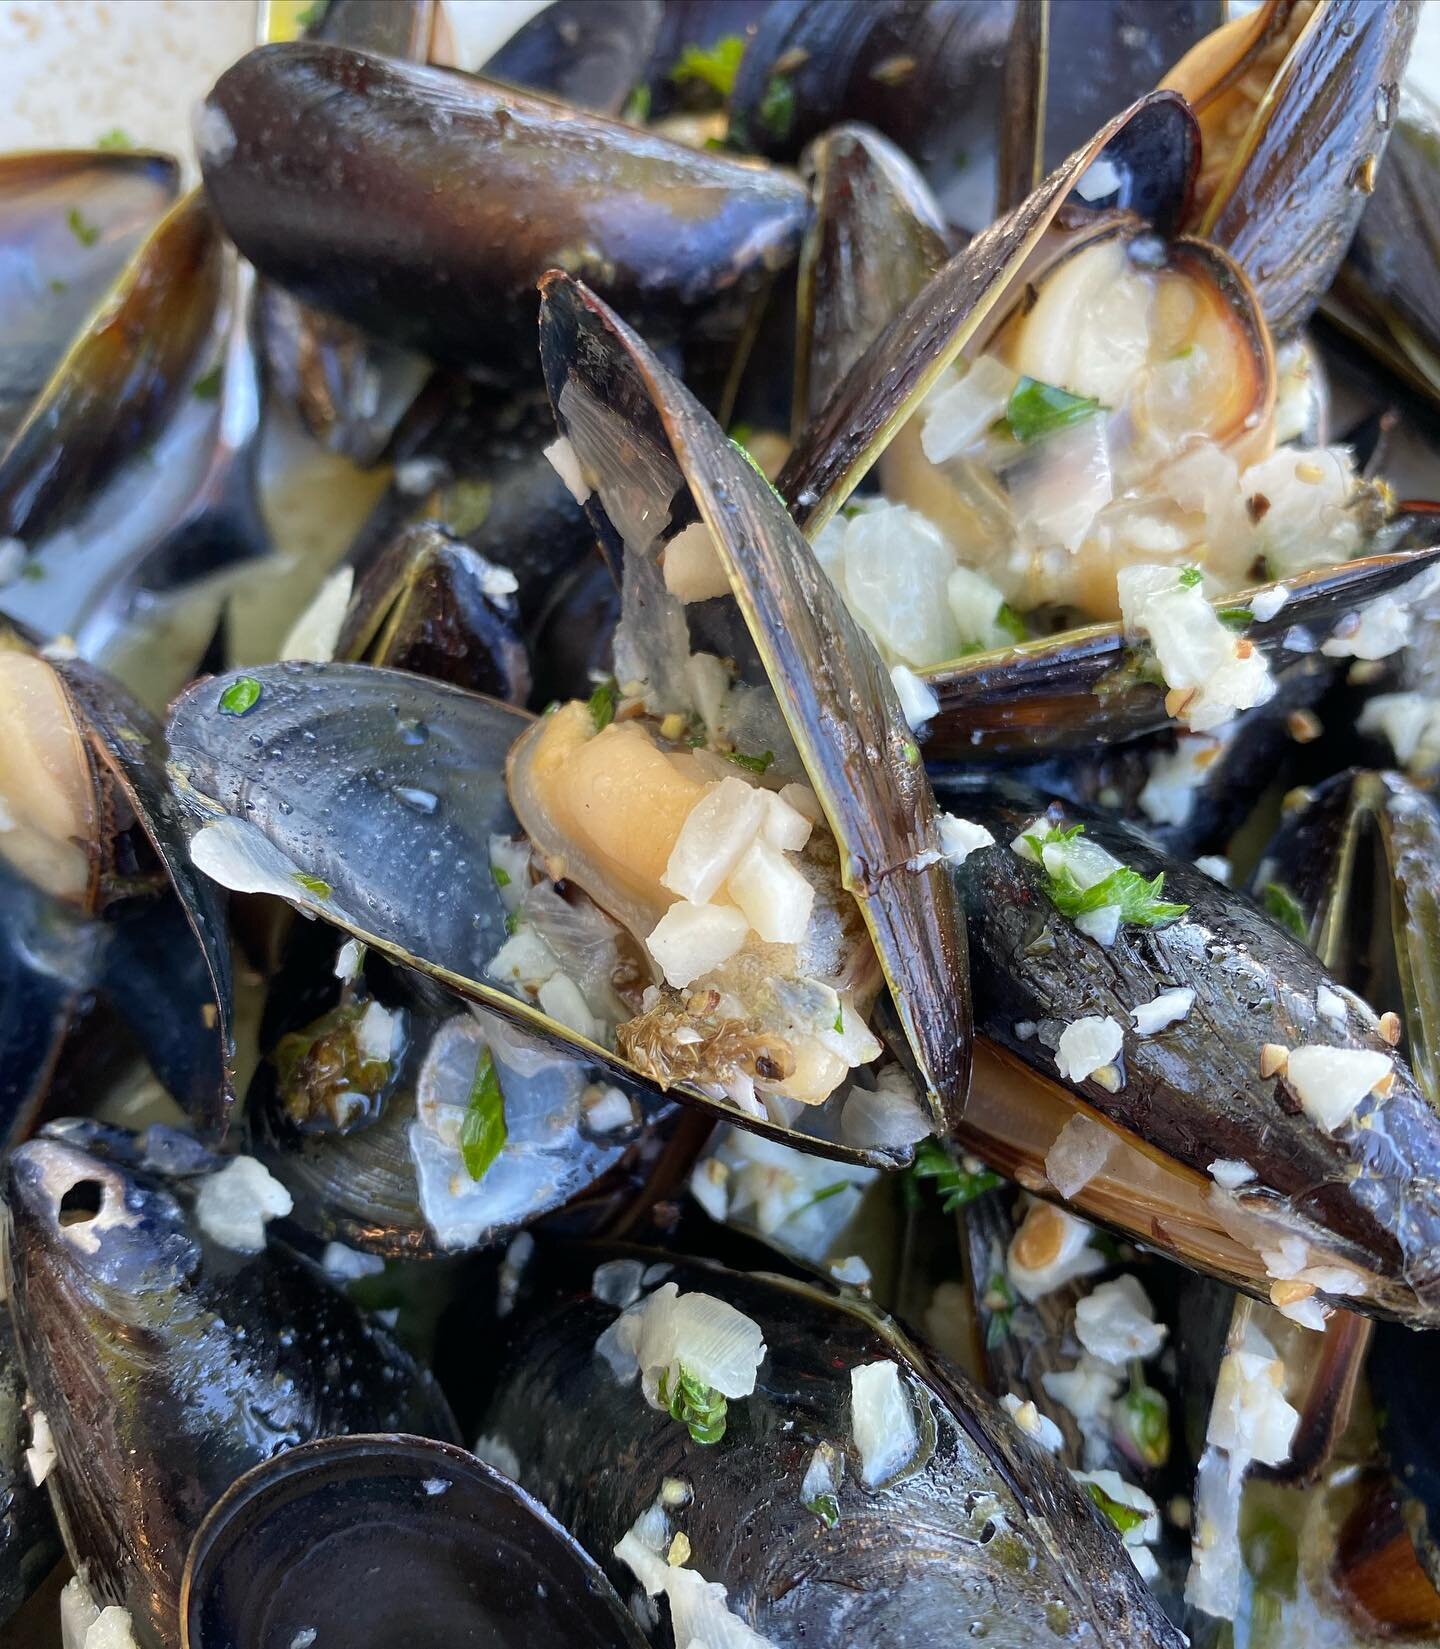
x,y
1036,410
86,233
696,741
713,66
754,464
1278,901
1139,901
115,138
312,884
32,570
207,386
912,753
1237,617
464,505
59,287
696,1406
1011,625
751,764
483,1132
501,875
312,14
637,106
241,696
826,1508
999,1300
602,705
1143,1421
824,1194
742,435
1125,1518
777,107
1190,577
955,1184
840,1021
512,923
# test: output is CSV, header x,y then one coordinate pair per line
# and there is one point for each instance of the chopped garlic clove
x,y
917,701
1169,1008
1116,1322
693,568
882,1421
1331,1082
1088,1045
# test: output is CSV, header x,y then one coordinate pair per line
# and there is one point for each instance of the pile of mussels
x,y
823,938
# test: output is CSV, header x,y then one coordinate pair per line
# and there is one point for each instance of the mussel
x,y
439,253
29,1543
235,1348
310,1542
847,1486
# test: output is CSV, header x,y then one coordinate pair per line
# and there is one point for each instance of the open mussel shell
x,y
589,53
654,452
1294,178
435,607
121,376
1387,287
390,1179
1359,862
230,1357
361,796
1150,151
877,236
92,822
1068,68
1012,1550
313,1542
69,220
1091,685
409,201
927,77
1361,1197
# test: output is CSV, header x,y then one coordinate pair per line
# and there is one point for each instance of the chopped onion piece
x,y
1264,604
1230,1174
774,897
1331,1082
40,1456
917,701
714,1343
1216,1562
882,1421
1214,866
562,999
786,827
1050,1248
1035,1425
233,1205
1087,1390
693,568
1058,491
1116,1322
716,832
1376,631
347,1264
959,838
887,1118
1078,1154
1175,775
1102,925
566,463
1410,721
1249,1417
1330,1005
1088,1045
1169,1008
689,940
961,413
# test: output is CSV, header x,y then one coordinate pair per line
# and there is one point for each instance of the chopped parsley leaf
x,y
1278,901
115,138
699,1407
241,696
602,705
751,764
1123,1517
840,1021
312,884
207,386
1036,410
1238,617
483,1132
777,107
500,875
637,105
1190,577
86,233
1010,624
955,1184
826,1508
1139,901
713,66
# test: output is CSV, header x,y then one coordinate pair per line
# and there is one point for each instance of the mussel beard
x,y
603,810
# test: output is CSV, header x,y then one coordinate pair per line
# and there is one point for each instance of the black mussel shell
x,y
315,1541
590,53
424,205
